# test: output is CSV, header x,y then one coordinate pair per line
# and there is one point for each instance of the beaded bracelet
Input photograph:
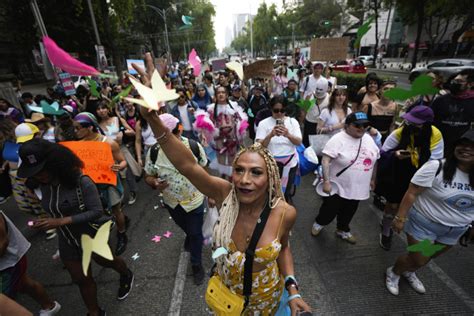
x,y
163,138
401,219
292,297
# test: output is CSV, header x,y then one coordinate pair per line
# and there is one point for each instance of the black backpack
x,y
193,145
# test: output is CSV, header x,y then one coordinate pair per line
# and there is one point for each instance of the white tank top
x,y
149,138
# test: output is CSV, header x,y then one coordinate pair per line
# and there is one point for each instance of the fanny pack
x,y
219,297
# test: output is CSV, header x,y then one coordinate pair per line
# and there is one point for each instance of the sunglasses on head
x,y
278,110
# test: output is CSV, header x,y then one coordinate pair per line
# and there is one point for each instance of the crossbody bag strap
x,y
80,196
353,161
250,253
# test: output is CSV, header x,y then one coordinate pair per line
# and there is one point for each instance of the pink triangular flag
x,y
195,61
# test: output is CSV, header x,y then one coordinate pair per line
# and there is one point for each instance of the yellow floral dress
x,y
267,286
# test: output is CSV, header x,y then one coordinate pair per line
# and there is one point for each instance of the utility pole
x,y
94,24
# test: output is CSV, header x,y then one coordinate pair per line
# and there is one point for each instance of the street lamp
x,y
162,13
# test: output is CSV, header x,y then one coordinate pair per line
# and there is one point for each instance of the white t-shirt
x,y
183,113
354,183
313,114
448,204
279,145
311,88
331,119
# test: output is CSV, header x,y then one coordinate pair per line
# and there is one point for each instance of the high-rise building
x,y
240,21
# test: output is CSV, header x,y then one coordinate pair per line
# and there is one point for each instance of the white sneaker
x,y
415,283
316,229
52,311
346,236
391,281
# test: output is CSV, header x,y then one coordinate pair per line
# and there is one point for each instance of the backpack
x,y
193,145
107,214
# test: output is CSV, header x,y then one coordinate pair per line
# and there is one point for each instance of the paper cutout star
x,y
93,86
423,85
156,238
237,67
98,244
46,108
135,256
167,234
306,104
426,247
154,97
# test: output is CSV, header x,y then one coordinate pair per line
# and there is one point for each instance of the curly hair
x,y
7,129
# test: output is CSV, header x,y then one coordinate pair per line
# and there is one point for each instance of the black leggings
x,y
335,205
309,129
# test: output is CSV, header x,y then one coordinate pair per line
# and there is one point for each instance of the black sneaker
x,y
386,241
198,274
132,198
122,241
126,284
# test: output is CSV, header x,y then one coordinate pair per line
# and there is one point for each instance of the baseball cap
x,y
25,132
318,64
169,121
36,118
419,114
469,136
358,118
236,88
33,157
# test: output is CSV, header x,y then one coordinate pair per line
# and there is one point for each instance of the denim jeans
x,y
191,224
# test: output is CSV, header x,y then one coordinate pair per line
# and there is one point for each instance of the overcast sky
x,y
225,9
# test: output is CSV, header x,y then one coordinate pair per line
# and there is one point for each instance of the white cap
x,y
25,132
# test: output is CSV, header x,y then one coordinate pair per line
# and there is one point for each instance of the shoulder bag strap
x,y
80,196
250,253
353,161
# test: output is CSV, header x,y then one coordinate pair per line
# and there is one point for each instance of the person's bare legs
x,y
37,291
10,307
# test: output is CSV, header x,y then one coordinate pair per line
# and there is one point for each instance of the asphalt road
x,y
336,278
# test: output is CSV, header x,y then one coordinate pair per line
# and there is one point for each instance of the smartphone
x,y
279,122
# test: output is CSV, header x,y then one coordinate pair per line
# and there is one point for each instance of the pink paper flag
x,y
195,61
167,234
156,238
66,62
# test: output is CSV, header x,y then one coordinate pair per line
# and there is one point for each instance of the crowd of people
x,y
234,144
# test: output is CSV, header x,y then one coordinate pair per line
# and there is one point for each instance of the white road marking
x,y
177,296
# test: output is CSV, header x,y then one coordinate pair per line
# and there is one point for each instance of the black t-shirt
x,y
453,117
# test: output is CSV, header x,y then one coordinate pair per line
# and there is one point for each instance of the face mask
x,y
455,87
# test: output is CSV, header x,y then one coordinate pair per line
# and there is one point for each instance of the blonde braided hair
x,y
230,207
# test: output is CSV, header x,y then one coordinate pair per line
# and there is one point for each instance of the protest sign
x,y
260,69
66,82
139,62
218,64
97,159
329,49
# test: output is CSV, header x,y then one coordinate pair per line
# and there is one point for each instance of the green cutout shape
x,y
93,86
306,104
423,85
426,248
50,109
123,94
362,30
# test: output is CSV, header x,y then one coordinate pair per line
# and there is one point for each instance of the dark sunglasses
x,y
278,111
359,125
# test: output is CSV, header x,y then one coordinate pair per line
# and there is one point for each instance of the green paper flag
x,y
306,104
423,85
50,109
362,30
122,94
93,86
426,248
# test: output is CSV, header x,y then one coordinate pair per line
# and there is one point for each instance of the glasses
x,y
360,125
278,111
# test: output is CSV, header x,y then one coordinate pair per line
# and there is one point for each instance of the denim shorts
x,y
420,227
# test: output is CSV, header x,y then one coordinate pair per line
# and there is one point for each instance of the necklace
x,y
247,239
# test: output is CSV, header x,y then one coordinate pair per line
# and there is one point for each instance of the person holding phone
x,y
281,135
405,150
184,112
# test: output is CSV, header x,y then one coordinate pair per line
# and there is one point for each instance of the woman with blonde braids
x,y
255,182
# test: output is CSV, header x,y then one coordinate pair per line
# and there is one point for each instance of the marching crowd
x,y
241,147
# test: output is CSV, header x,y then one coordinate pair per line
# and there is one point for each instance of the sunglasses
x,y
278,111
359,125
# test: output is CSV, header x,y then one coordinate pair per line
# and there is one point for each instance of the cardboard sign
x,y
329,49
97,159
260,68
218,64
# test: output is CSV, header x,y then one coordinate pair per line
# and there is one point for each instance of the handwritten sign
x,y
329,49
97,159
259,69
218,64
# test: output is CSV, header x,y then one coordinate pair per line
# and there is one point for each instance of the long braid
x,y
230,207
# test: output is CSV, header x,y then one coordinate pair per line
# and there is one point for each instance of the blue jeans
x,y
191,224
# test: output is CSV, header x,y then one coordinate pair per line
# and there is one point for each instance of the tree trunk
x,y
420,11
376,47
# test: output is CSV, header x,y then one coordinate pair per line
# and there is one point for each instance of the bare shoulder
x,y
289,213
